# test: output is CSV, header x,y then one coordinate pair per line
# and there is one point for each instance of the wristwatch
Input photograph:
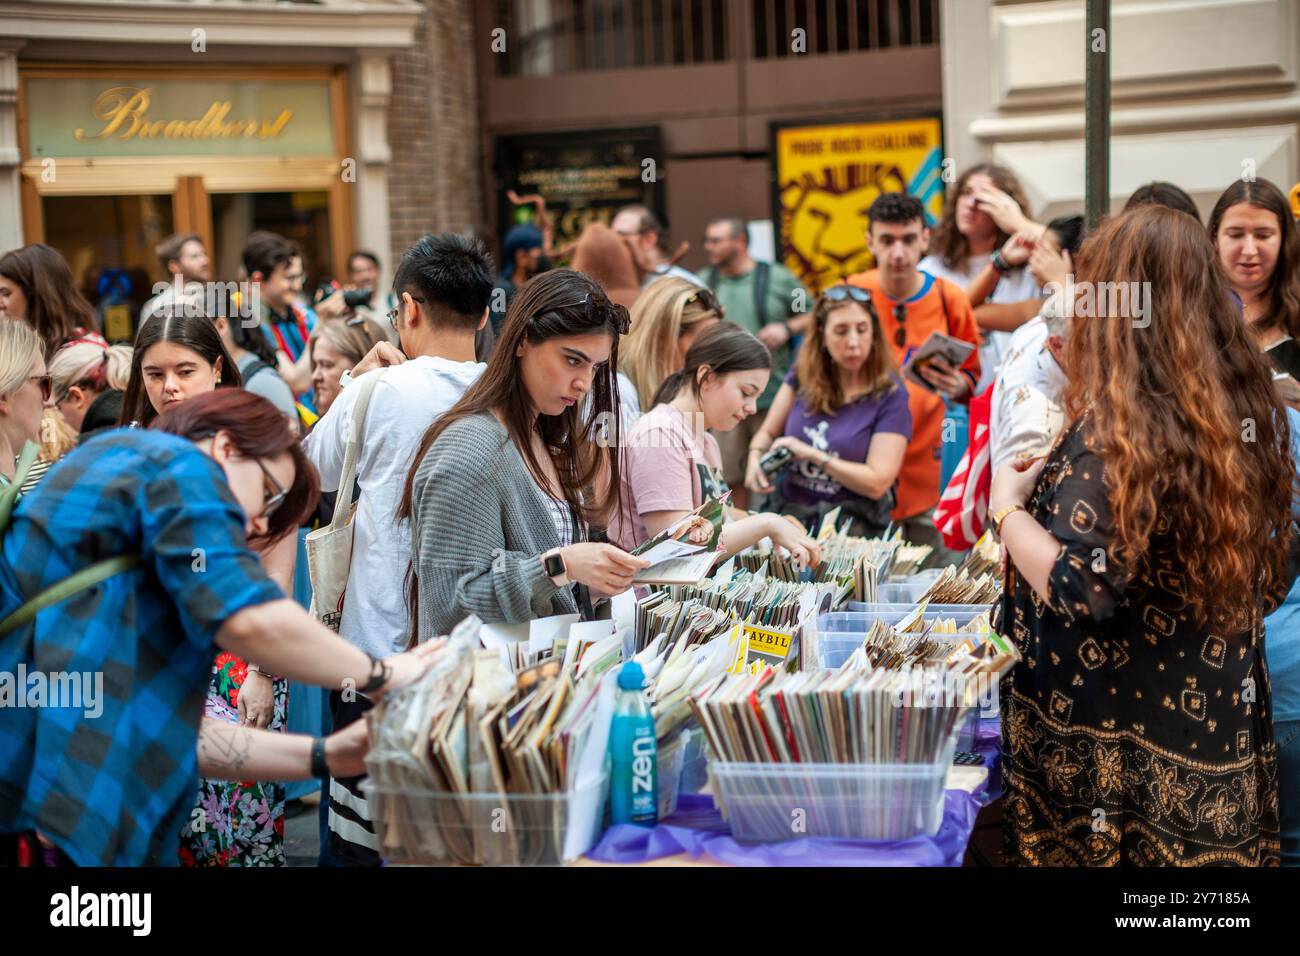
x,y
553,564
1002,514
345,379
998,262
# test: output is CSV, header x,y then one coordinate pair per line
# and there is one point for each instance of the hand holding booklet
x,y
674,559
952,350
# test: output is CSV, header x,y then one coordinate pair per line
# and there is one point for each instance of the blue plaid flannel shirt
x,y
116,788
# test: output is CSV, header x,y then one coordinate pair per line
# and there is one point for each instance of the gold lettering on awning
x,y
123,111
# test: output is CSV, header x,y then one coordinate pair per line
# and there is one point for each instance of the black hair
x,y
452,273
1069,232
723,347
896,209
1163,194
103,412
363,254
265,251
195,332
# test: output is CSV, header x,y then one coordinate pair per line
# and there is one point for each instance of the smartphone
x,y
775,460
1285,356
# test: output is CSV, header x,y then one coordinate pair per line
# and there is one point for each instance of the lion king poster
x,y
828,175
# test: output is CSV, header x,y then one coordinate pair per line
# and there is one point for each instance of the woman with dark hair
x,y
176,357
508,488
1143,554
252,354
842,412
673,463
1162,193
36,286
161,520
1259,249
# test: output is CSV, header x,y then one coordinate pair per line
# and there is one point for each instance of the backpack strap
x,y
256,367
75,583
762,278
9,495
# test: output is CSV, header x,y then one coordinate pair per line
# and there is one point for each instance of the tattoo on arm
x,y
223,748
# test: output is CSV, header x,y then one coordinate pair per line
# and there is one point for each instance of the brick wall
x,y
434,180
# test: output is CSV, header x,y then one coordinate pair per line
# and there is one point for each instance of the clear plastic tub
x,y
841,633
670,774
484,829
883,607
926,577
769,803
695,762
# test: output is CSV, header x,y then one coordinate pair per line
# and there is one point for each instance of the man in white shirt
x,y
443,285
1026,414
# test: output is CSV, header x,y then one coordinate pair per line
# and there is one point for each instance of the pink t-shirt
x,y
665,468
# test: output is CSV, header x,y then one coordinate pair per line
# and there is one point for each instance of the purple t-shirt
x,y
846,434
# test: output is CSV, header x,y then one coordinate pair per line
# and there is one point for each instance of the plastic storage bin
x,y
947,610
486,829
695,762
769,803
670,775
841,633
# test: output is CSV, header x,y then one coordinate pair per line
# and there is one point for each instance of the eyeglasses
x,y
843,291
273,496
900,330
392,313
45,383
273,493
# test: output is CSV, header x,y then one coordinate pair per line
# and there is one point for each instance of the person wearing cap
x,y
521,259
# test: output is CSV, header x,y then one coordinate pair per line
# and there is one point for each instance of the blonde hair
x,y
57,436
660,317
19,348
351,338
91,366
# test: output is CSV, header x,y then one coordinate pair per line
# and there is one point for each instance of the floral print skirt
x,y
236,823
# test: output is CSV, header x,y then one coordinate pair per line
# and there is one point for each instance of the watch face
x,y
554,565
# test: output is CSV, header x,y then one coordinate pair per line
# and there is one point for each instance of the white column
x,y
371,87
11,192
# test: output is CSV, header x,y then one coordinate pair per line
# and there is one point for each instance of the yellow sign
x,y
123,111
827,177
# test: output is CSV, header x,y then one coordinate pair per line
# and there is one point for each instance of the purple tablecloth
x,y
697,828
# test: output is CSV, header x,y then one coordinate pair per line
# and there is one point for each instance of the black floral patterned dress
x,y
1130,735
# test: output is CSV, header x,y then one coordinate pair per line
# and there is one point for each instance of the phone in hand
x,y
775,460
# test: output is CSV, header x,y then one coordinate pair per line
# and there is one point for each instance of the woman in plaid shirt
x,y
109,778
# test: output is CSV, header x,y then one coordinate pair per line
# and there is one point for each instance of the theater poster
x,y
584,176
827,175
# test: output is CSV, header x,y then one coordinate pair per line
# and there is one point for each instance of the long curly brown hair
x,y
1179,404
947,242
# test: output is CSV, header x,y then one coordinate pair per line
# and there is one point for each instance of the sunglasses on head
x,y
707,299
606,313
843,291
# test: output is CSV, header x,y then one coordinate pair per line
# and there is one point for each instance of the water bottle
x,y
634,794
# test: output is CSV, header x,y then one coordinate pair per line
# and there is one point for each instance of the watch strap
x,y
319,768
1002,514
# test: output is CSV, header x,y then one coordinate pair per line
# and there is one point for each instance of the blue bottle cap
x,y
631,677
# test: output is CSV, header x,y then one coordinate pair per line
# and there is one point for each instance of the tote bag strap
x,y
343,504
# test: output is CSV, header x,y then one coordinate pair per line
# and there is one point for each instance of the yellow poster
x,y
827,177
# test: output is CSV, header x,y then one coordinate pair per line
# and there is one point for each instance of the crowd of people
x,y
515,434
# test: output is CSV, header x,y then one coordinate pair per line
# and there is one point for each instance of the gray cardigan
x,y
478,529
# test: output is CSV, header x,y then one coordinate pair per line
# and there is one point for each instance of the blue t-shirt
x,y
847,434
111,780
1282,627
